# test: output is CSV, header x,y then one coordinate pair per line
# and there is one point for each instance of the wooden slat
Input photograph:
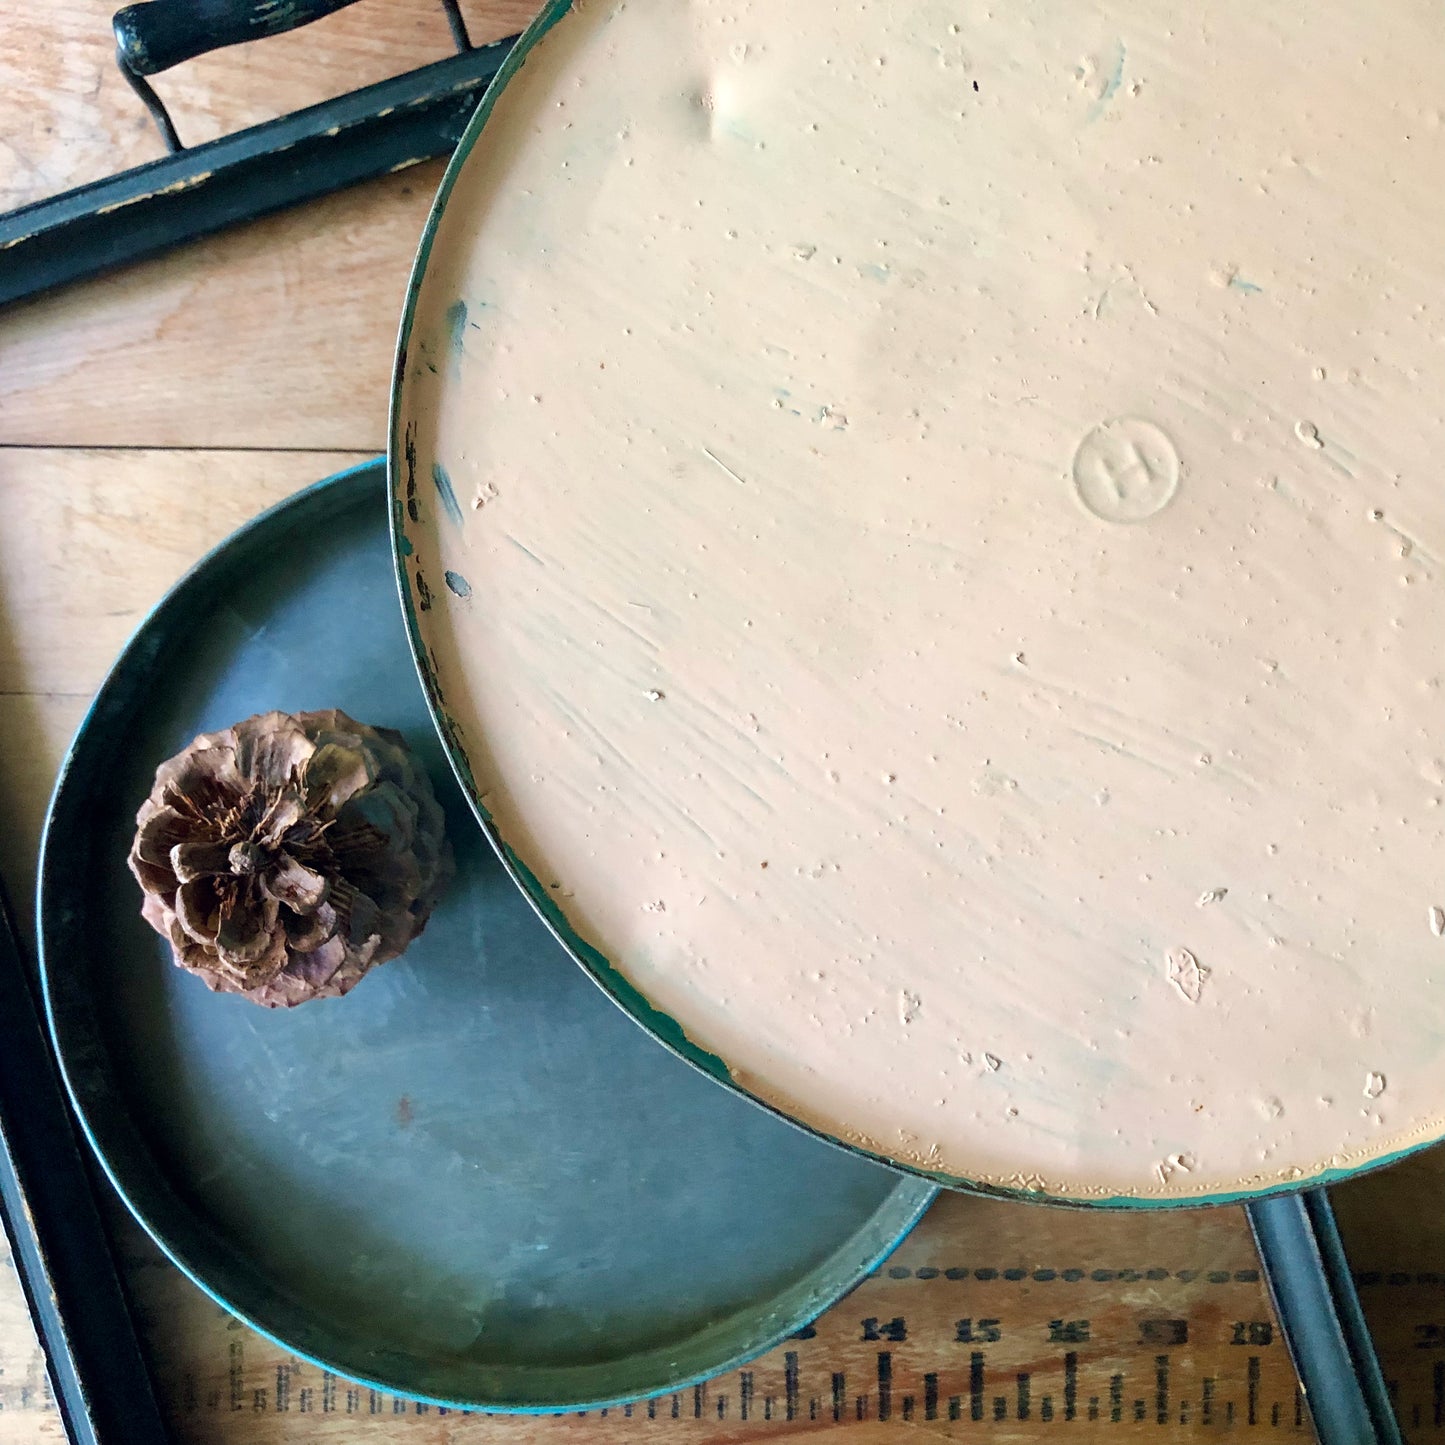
x,y
69,118
33,736
307,302
99,537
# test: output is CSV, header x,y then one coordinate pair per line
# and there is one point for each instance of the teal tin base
x,y
472,1181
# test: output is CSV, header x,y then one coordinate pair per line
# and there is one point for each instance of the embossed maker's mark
x,y
1126,470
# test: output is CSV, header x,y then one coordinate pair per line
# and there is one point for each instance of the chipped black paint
x,y
262,169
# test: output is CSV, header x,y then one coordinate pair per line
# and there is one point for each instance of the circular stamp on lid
x,y
1126,470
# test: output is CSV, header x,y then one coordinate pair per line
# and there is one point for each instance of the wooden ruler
x,y
994,1321
992,1318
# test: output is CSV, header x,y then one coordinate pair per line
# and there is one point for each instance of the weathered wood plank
x,y
277,334
90,541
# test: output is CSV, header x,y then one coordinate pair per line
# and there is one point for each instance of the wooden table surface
x,y
145,415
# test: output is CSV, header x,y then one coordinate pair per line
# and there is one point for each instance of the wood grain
x,y
307,301
92,540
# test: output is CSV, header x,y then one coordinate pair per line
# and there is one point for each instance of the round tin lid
x,y
923,526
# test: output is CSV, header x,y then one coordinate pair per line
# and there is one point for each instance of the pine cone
x,y
286,856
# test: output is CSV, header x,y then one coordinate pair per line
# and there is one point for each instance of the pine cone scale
x,y
305,932
336,774
269,747
248,924
190,861
160,833
206,771
301,889
198,908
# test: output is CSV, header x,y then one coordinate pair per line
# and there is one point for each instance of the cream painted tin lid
x,y
923,524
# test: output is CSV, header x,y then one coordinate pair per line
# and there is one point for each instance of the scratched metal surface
x,y
473,1179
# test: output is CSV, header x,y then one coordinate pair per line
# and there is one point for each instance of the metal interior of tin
x,y
472,1180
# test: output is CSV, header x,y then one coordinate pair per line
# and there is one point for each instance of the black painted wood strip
x,y
98,1371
